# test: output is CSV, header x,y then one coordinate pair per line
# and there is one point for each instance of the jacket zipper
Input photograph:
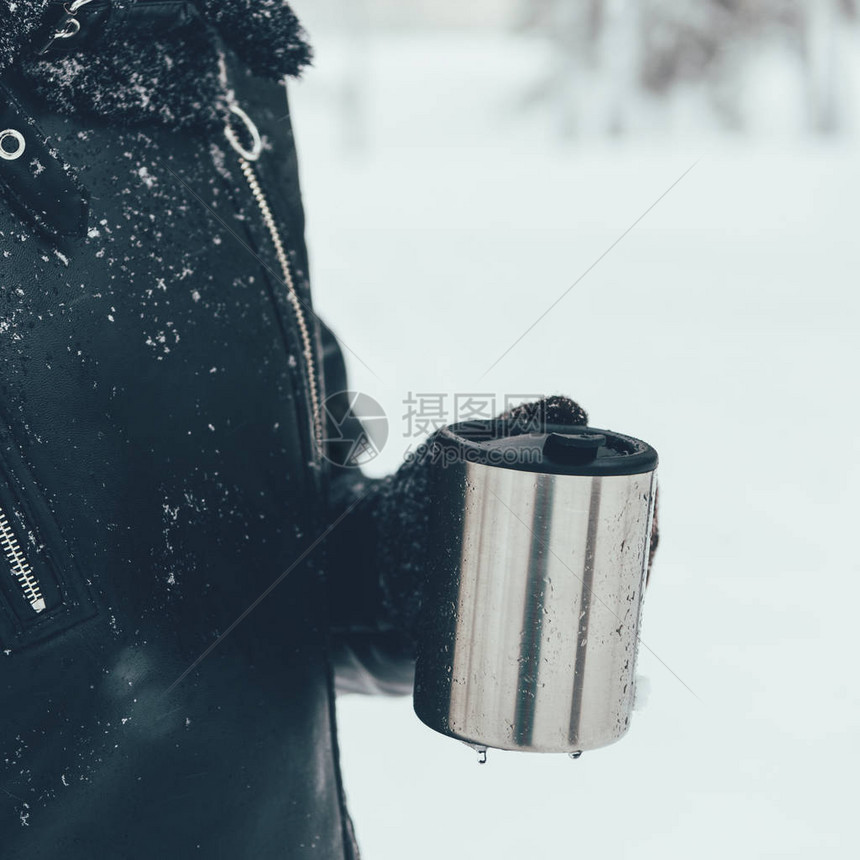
x,y
19,566
246,159
42,590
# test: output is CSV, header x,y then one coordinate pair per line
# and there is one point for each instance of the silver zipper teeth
x,y
292,295
21,569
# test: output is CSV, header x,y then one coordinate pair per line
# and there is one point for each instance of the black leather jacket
x,y
159,484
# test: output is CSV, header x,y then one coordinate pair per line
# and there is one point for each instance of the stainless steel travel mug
x,y
538,560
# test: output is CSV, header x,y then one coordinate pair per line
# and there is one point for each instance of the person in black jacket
x,y
187,573
159,472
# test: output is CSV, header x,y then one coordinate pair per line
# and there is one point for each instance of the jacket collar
x,y
265,34
137,61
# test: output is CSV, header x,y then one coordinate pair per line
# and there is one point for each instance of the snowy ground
x,y
724,330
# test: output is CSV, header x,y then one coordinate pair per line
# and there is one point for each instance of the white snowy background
x,y
446,212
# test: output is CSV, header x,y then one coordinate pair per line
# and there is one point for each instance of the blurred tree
x,y
621,47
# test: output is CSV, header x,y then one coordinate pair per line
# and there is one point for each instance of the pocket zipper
x,y
43,592
19,566
246,159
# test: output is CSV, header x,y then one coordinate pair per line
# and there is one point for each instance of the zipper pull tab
x,y
252,154
67,27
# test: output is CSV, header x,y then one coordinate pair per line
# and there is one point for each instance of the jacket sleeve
x,y
373,556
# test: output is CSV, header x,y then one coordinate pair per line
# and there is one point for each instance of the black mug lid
x,y
555,449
